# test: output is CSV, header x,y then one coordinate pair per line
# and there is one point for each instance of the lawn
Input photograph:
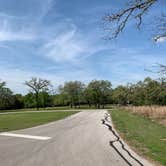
x,y
56,108
146,136
17,121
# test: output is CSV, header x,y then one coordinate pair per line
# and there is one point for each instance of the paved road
x,y
79,140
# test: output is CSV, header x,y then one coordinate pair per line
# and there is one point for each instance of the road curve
x,y
79,140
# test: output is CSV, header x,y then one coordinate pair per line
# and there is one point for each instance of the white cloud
x,y
66,47
71,46
10,32
14,36
23,28
160,39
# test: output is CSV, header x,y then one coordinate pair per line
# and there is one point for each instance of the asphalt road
x,y
82,139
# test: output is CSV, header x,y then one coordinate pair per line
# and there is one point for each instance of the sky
x,y
62,40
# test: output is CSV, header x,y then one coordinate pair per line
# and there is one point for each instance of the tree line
x,y
97,93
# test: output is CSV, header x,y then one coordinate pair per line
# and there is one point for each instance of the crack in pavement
x,y
118,140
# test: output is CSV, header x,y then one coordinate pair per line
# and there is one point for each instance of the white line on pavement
x,y
24,136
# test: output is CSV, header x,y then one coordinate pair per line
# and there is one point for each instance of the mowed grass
x,y
17,121
146,136
57,108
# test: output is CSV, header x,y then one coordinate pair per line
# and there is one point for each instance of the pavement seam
x,y
106,122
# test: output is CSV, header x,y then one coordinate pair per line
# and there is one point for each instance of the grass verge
x,y
144,135
16,121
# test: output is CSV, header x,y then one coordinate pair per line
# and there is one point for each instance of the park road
x,y
79,140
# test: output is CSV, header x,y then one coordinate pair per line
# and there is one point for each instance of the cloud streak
x,y
64,48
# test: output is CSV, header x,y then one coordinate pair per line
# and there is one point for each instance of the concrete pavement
x,y
83,139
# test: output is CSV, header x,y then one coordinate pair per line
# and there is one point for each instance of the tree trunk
x,y
37,101
89,104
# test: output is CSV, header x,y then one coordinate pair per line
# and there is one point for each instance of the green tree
x,y
6,97
18,101
99,92
73,90
29,100
60,100
120,95
45,99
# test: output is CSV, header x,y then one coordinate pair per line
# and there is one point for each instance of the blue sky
x,y
62,40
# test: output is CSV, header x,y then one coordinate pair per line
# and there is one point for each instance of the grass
x,y
146,136
17,121
34,109
57,108
157,113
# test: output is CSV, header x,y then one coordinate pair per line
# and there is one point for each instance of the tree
x,y
38,85
60,100
120,95
135,10
2,84
6,97
29,100
73,90
46,100
88,96
162,69
99,92
18,101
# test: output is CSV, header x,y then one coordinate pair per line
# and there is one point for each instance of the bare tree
x,y
135,10
37,85
162,69
161,28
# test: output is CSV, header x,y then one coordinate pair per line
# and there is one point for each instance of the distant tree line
x,y
96,94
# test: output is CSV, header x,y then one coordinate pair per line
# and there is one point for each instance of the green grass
x,y
17,121
145,135
54,108
34,109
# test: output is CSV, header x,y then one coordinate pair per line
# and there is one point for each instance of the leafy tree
x,y
45,99
6,97
18,101
99,92
29,100
139,94
88,96
38,85
73,90
60,100
120,95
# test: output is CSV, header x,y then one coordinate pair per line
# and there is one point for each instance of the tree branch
x,y
135,10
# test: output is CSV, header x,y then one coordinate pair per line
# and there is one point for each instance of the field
x,y
157,113
17,121
146,137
